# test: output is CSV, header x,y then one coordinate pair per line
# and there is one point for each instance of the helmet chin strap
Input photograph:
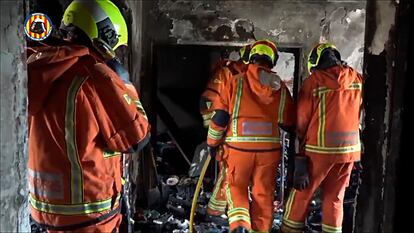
x,y
103,48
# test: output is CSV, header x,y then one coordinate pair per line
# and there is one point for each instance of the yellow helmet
x,y
99,20
316,53
266,48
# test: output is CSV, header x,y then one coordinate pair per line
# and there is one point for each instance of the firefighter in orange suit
x,y
246,118
81,117
223,73
328,132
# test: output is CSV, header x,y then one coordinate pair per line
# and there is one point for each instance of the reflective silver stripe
x,y
76,209
45,175
253,139
282,105
76,186
45,193
47,185
236,108
97,13
257,128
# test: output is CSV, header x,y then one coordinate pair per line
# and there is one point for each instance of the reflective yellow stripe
x,y
330,229
207,116
239,209
323,99
110,153
70,138
323,90
253,139
293,224
229,199
238,214
355,86
322,120
217,188
320,90
218,203
239,218
77,209
236,108
289,203
282,105
127,98
217,208
333,150
138,104
215,134
141,108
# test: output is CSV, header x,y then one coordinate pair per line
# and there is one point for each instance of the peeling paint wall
x,y
289,23
13,120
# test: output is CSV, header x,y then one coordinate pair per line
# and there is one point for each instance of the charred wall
x,y
290,23
382,205
14,214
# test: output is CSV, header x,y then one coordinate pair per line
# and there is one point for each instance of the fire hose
x,y
197,191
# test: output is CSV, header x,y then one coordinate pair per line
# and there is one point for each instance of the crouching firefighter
x,y
328,132
223,74
246,120
81,117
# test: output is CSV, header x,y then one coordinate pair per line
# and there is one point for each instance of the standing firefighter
x,y
328,132
246,119
223,71
222,75
80,115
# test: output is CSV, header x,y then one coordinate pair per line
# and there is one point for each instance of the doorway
x,y
180,74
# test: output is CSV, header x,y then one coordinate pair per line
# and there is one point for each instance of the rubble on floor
x,y
178,190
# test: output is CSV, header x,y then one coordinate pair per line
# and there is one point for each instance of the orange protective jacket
x,y
255,113
81,116
222,73
328,114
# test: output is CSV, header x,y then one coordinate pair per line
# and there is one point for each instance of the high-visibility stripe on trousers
x,y
333,178
257,169
218,200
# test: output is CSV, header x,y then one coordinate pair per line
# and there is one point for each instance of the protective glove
x,y
301,173
212,151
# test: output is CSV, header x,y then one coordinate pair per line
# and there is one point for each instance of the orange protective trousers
x,y
110,225
333,178
218,200
257,169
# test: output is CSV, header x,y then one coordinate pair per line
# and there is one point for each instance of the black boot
x,y
240,230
